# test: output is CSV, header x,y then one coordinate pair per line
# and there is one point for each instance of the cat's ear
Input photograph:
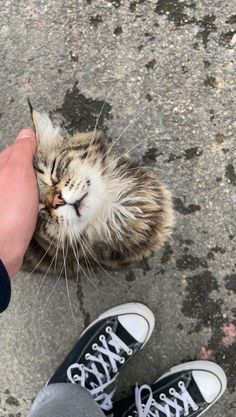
x,y
46,133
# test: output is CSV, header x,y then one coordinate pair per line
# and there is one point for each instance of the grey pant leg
x,y
64,400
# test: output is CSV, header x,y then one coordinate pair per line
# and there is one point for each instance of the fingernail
x,y
25,133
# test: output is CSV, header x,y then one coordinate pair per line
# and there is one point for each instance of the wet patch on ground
x,y
185,209
230,174
95,20
192,152
167,253
197,303
175,10
200,305
12,401
190,262
150,155
207,26
188,154
230,282
130,276
212,254
81,113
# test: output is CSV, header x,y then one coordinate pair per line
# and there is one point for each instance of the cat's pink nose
x,y
57,201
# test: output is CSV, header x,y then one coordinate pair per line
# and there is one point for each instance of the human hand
x,y
18,200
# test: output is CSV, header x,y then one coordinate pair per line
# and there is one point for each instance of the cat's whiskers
x,y
76,255
42,282
62,127
97,121
128,126
114,161
30,273
66,278
103,269
95,280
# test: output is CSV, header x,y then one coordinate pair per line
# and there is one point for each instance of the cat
x,y
96,207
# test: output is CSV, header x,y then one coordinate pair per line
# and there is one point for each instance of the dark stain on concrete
x,y
132,6
150,65
215,250
173,157
167,254
230,282
190,262
175,11
192,152
150,155
118,31
231,20
210,81
95,20
207,63
130,276
225,150
148,97
207,26
212,115
182,209
226,37
185,242
225,356
12,401
197,303
81,113
74,57
14,415
230,174
144,265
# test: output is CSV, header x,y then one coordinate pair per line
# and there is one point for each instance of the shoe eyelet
x,y
153,402
181,384
76,378
172,391
130,352
114,370
94,346
108,329
87,356
101,338
122,360
162,397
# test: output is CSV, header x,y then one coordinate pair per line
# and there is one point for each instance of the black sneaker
x,y
103,350
186,390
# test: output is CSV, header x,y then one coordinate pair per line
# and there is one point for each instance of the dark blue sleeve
x,y
5,288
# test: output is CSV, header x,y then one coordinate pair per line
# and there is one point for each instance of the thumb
x,y
26,141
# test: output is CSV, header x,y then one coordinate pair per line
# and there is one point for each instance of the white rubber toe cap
x,y
136,326
208,384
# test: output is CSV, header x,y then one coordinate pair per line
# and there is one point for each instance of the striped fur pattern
x,y
96,207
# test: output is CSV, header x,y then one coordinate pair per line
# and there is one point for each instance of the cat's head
x,y
69,171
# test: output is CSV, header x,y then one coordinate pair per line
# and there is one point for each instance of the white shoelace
x,y
106,359
152,407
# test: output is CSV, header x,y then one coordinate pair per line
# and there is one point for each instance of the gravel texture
x,y
166,69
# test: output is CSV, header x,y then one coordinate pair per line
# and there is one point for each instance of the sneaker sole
x,y
129,308
201,366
